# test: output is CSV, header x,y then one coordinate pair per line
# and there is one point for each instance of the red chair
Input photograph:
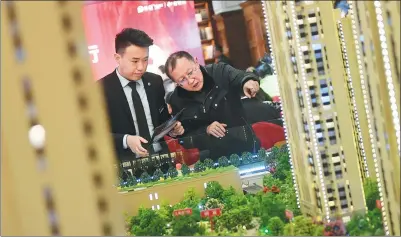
x,y
269,134
182,155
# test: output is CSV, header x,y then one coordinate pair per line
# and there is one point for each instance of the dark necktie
x,y
139,112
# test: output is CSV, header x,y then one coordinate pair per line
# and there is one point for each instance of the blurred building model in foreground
x,y
61,185
372,38
322,125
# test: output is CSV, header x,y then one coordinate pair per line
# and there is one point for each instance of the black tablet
x,y
166,127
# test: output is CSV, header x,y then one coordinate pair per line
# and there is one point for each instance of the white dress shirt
x,y
144,99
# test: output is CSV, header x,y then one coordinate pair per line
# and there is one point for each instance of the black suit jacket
x,y
219,100
120,118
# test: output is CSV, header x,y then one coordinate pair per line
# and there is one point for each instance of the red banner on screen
x,y
171,24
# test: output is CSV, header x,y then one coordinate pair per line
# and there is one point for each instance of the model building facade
x,y
376,44
60,180
322,129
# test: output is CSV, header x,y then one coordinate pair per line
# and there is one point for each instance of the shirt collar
x,y
124,81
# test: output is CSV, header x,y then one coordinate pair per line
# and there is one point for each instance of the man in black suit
x,y
134,97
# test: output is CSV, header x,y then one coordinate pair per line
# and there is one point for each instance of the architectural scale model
x,y
339,79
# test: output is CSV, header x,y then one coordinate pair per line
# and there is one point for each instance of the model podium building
x,y
173,192
57,160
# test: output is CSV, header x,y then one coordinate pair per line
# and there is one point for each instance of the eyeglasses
x,y
189,75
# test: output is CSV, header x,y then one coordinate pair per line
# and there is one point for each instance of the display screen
x,y
171,24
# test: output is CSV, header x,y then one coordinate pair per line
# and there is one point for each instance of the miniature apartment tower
x,y
57,158
322,130
373,37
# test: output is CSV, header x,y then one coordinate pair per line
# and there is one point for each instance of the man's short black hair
x,y
130,36
218,48
172,60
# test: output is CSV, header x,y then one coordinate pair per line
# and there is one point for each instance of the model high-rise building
x,y
373,36
57,158
321,120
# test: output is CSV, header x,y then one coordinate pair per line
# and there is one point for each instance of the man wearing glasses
x,y
211,96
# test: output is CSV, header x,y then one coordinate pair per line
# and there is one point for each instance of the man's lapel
x,y
121,98
151,95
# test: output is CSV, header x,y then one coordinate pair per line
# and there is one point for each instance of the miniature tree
x,y
191,199
246,158
231,219
213,203
157,175
271,206
303,226
214,190
145,164
319,231
122,183
209,164
166,211
371,193
379,232
199,167
151,163
284,149
185,170
131,181
283,167
223,161
172,172
228,193
275,226
363,225
148,223
270,160
272,157
269,181
186,226
236,201
234,160
254,204
376,221
276,150
262,154
145,177
283,180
